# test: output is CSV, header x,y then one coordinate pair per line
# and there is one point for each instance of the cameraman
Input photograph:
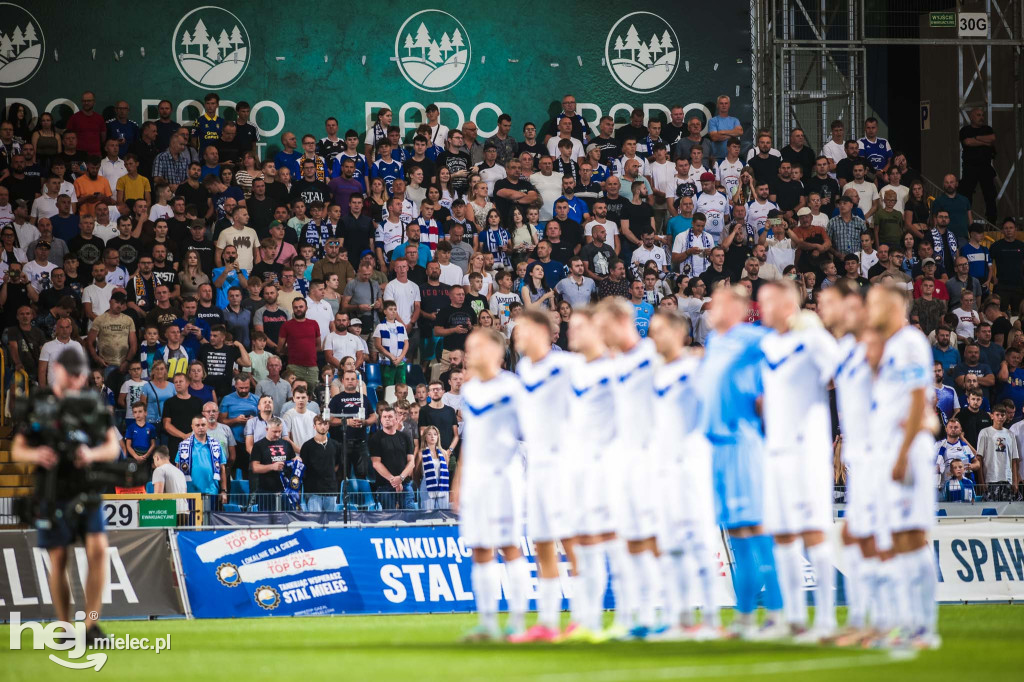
x,y
71,376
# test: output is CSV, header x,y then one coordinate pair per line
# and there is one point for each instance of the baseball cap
x,y
928,261
273,223
706,176
804,211
43,243
490,145
20,203
365,253
198,223
355,321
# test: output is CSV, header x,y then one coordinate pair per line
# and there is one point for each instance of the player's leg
x,y
853,562
486,578
820,555
577,598
96,552
789,567
783,495
593,580
60,589
518,593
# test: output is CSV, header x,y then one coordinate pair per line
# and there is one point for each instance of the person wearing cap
x,y
929,269
811,242
111,340
713,204
334,263
38,270
845,229
489,169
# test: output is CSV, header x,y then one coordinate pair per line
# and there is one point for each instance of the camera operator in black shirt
x,y
65,431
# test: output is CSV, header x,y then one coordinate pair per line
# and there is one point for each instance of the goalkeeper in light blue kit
x,y
730,390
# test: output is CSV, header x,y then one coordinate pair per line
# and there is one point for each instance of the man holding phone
x,y
453,324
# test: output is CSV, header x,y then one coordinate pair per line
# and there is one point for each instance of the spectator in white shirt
x,y
967,318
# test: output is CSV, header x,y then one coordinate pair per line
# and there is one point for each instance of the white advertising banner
x,y
980,559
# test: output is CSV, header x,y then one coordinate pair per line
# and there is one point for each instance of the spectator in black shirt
x,y
453,324
198,242
267,460
354,460
261,208
1008,267
229,147
764,164
308,188
194,192
208,311
441,416
322,457
393,457
787,192
822,183
178,412
797,152
219,360
978,141
844,168
357,231
513,190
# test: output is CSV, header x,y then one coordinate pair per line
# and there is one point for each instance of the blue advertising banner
x,y
254,572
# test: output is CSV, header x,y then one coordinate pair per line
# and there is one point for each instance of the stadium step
x,y
15,491
15,480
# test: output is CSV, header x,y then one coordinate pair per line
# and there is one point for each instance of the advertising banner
x,y
141,580
296,67
980,560
254,572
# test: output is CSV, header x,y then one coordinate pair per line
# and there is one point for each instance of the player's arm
x,y
912,425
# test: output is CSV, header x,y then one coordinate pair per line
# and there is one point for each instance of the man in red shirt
x,y
299,339
89,126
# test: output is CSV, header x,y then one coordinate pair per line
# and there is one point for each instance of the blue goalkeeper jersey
x,y
730,384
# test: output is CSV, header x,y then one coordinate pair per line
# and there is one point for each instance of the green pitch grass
x,y
980,642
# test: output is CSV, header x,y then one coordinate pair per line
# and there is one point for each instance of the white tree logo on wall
x,y
210,47
642,52
433,50
22,47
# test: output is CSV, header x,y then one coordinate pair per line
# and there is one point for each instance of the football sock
x,y
744,574
702,556
486,592
649,575
923,560
871,592
677,602
518,592
820,556
852,563
578,598
623,582
595,581
549,602
766,574
789,566
900,614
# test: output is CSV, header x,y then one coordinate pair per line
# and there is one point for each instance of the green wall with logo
x,y
306,61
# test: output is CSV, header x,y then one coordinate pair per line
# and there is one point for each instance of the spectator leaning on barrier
x,y
392,455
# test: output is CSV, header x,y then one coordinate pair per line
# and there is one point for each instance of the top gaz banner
x,y
298,64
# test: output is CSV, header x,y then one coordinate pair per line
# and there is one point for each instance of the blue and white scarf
x,y
291,480
939,253
185,456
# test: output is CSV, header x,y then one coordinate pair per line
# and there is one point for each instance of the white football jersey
x,y
545,408
906,365
591,406
676,406
798,367
729,176
853,397
634,394
757,214
716,207
491,424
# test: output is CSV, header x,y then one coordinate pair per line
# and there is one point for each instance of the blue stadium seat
x,y
149,488
989,511
373,375
841,513
360,495
239,491
414,375
229,507
941,512
238,475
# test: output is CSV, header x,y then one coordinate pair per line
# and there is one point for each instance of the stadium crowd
x,y
241,313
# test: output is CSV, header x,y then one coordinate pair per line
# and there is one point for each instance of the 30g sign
x,y
972,25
